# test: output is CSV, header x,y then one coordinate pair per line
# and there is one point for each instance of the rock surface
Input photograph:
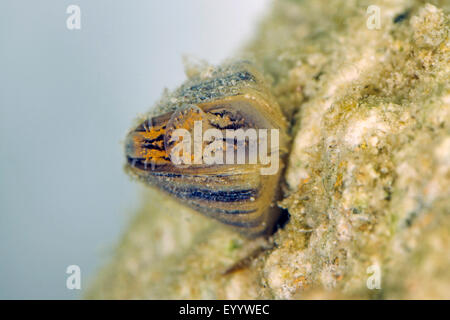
x,y
367,184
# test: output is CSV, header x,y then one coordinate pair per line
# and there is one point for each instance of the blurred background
x,y
67,98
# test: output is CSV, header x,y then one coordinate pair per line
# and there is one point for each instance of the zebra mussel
x,y
216,144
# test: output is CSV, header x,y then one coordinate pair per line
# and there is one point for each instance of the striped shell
x,y
232,96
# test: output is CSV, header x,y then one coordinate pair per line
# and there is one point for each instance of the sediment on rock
x,y
367,184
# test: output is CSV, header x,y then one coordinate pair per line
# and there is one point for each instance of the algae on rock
x,y
367,181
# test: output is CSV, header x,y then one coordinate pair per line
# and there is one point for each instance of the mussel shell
x,y
234,96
